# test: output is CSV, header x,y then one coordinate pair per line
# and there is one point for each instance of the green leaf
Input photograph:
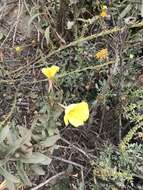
x,y
36,158
50,141
23,175
81,186
44,120
24,131
125,11
33,18
142,8
10,185
1,35
51,131
4,132
37,169
8,176
47,35
18,143
73,2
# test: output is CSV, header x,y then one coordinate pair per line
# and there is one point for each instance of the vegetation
x,y
71,96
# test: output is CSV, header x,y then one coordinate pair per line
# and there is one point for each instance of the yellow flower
x,y
104,12
76,114
102,54
104,7
50,72
18,49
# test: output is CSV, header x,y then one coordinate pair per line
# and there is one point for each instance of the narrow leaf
x,y
32,18
125,11
142,9
36,158
37,169
23,175
47,34
1,35
50,141
10,185
4,132
8,176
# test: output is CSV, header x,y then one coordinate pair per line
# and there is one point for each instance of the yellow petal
x,y
66,119
75,121
50,72
103,13
104,7
76,114
54,70
46,72
102,54
83,110
18,49
70,108
67,110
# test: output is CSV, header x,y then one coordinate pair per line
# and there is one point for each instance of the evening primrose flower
x,y
50,72
104,11
18,49
102,54
76,114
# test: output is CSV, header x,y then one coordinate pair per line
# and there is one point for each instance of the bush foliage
x,y
78,60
